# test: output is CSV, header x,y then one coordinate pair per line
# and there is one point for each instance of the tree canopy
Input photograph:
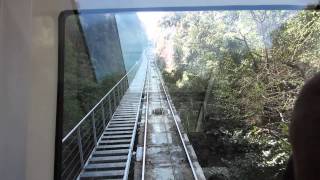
x,y
234,77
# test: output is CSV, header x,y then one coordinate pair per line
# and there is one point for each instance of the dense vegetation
x,y
234,77
99,50
93,63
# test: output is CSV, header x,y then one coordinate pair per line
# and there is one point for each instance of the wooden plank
x,y
118,132
116,129
115,146
121,122
115,141
120,125
112,152
106,165
116,136
102,174
109,159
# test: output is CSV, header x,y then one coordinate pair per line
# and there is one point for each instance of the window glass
x,y
233,77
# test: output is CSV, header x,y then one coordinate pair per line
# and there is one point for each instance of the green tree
x,y
240,72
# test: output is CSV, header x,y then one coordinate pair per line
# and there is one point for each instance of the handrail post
x,y
114,100
103,115
119,95
126,82
94,128
123,87
80,147
121,90
110,108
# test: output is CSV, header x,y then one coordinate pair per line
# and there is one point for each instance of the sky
x,y
150,21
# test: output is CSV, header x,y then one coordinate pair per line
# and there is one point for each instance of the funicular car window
x,y
232,75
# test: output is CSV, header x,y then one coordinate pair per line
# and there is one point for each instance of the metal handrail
x,y
78,144
101,100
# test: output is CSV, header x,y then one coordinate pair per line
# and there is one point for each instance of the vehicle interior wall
x,y
15,58
29,53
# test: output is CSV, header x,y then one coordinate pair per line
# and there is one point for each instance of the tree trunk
x,y
203,108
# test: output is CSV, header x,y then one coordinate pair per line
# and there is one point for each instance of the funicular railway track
x,y
103,149
112,155
173,156
100,146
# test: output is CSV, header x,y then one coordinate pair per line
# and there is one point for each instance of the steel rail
x,y
126,172
101,100
145,123
176,122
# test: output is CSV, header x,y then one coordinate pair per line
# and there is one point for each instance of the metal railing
x,y
82,139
